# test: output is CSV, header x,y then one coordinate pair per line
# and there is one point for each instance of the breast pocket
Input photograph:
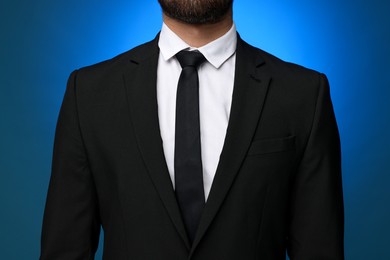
x,y
274,145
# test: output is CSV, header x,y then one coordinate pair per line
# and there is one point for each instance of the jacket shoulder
x,y
101,80
280,69
292,85
117,64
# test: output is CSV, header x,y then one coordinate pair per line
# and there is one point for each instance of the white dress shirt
x,y
216,79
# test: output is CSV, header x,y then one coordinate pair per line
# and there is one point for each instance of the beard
x,y
196,11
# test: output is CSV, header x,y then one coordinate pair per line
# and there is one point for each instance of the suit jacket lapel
x,y
140,80
250,89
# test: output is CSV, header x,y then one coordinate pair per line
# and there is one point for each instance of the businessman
x,y
196,146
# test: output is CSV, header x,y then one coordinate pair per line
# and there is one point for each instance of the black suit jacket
x,y
277,185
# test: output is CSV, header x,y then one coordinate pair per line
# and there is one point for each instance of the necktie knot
x,y
190,58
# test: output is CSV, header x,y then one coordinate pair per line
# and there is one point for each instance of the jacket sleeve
x,y
317,217
71,223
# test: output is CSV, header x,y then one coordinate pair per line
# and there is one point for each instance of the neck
x,y
198,35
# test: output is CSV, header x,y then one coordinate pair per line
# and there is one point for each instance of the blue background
x,y
42,41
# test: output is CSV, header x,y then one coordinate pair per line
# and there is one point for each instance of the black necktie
x,y
188,163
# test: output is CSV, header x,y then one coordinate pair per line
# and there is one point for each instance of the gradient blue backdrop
x,y
42,41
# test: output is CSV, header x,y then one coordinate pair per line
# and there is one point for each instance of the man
x,y
195,146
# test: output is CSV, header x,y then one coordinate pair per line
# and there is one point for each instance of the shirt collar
x,y
216,52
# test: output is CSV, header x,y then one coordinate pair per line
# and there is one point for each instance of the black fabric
x,y
277,186
188,162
